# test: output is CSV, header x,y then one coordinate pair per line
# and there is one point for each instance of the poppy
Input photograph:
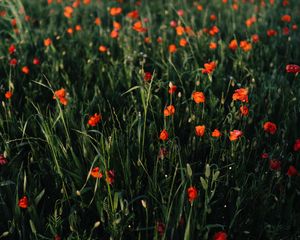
x,y
173,24
192,193
25,70
13,62
183,42
220,236
114,34
147,76
160,228
172,48
3,160
255,38
292,171
138,26
296,146
233,45
216,133
94,120
286,18
96,172
36,61
271,32
47,42
97,21
11,49
179,30
200,130
270,127
133,14
292,68
164,135
68,11
235,134
198,97
274,164
169,110
23,202
8,94
240,94
172,88
114,11
212,45
102,48
209,67
110,177
61,95
244,110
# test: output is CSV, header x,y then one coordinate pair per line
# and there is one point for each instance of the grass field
x,y
150,119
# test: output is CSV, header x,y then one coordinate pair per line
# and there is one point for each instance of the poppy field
x,y
139,119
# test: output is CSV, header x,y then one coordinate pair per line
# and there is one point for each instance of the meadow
x,y
148,119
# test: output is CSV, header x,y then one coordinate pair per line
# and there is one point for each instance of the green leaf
x,y
204,183
39,197
189,170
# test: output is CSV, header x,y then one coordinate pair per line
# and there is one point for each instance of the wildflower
x,y
102,48
271,32
160,228
192,193
164,135
209,67
96,172
244,110
172,88
47,42
235,134
3,160
274,164
97,21
198,97
292,68
172,48
292,171
70,31
78,28
133,14
213,17
169,110
245,46
285,31
68,11
13,62
23,202
216,133
264,155
8,94
270,127
173,24
240,94
94,120
25,70
110,177
183,42
296,146
147,76
255,38
212,45
220,236
61,95
138,26
114,11
286,18
36,61
179,30
233,45
11,49
200,130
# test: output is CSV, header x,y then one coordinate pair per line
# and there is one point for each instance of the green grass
x,y
51,150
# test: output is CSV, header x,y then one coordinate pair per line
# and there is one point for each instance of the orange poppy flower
x,y
95,172
114,11
200,130
179,30
235,134
68,11
23,202
286,18
25,70
61,95
8,94
255,38
97,21
183,42
138,26
116,25
245,46
216,133
172,88
78,28
164,135
172,48
271,32
169,111
47,42
94,120
209,67
233,45
114,34
198,97
70,31
102,48
240,94
212,45
199,7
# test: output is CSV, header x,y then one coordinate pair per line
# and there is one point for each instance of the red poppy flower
x,y
110,177
164,135
216,133
240,94
198,97
220,236
275,164
292,68
270,127
169,111
96,172
209,67
61,95
200,130
23,202
296,146
292,171
192,193
244,110
3,160
235,134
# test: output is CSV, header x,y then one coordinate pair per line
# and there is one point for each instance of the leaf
x,y
6,183
207,171
215,176
39,197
